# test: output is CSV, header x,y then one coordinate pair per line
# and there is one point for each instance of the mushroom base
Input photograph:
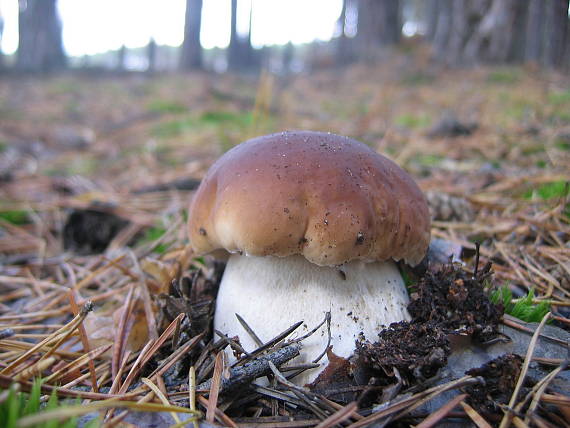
x,y
272,293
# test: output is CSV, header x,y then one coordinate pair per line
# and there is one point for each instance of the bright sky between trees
x,y
95,26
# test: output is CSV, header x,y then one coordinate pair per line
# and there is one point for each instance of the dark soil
x,y
90,231
417,350
456,303
500,375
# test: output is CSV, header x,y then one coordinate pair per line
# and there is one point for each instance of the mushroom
x,y
312,222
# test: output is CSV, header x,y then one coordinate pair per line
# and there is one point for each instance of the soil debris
x,y
417,350
500,377
90,231
456,302
450,126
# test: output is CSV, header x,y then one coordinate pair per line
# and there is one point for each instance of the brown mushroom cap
x,y
330,198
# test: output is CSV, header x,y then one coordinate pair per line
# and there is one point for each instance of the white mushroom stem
x,y
272,293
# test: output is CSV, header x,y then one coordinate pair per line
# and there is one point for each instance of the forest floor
x,y
96,176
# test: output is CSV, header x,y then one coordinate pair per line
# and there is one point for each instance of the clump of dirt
x,y
500,375
456,303
416,350
91,230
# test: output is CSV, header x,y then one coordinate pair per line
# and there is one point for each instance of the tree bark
x,y
191,55
343,46
122,58
379,24
535,31
442,29
492,39
433,8
556,32
40,47
234,48
462,22
1,33
518,43
151,56
470,32
240,52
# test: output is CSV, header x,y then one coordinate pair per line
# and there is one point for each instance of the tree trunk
x,y
241,55
379,24
518,43
556,32
535,31
392,22
1,33
469,32
234,48
151,56
460,31
492,39
122,58
343,48
433,9
442,29
191,55
40,47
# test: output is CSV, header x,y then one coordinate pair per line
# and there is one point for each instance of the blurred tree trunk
x,y
151,56
535,31
40,47
470,32
442,29
234,47
465,17
191,55
1,33
556,39
241,55
493,37
344,53
379,24
122,58
518,43
433,8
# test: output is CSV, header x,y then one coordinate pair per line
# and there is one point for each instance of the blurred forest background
x,y
459,32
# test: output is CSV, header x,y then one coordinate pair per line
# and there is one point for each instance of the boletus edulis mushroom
x,y
313,223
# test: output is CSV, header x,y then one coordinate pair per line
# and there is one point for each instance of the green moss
x,y
167,106
210,119
559,98
153,234
562,145
16,217
218,117
428,160
505,76
524,309
412,121
174,128
555,189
